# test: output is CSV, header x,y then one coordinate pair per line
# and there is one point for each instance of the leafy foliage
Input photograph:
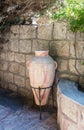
x,y
73,12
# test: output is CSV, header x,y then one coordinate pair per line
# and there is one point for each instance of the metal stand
x,y
41,97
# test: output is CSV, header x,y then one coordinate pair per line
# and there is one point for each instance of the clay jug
x,y
41,73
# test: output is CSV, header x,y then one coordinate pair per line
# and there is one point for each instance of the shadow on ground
x,y
17,113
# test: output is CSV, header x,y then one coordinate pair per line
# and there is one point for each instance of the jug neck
x,y
41,53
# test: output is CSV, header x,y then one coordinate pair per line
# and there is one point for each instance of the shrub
x,y
73,12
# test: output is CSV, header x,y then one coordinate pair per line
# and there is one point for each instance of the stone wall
x,y
70,103
22,40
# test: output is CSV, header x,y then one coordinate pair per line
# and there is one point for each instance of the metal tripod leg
x,y
52,97
40,103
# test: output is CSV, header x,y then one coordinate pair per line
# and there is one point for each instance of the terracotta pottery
x,y
41,72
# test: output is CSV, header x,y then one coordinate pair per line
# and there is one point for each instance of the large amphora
x,y
41,73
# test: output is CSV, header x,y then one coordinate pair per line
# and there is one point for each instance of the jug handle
x,y
55,64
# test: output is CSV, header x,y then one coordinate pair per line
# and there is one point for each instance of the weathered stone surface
x,y
14,45
27,83
20,81
59,48
14,67
1,75
25,46
27,32
80,66
45,32
72,127
72,66
12,87
60,31
3,65
81,80
72,50
8,77
27,73
70,111
67,76
4,84
80,49
40,45
20,58
22,70
79,36
15,29
70,36
28,57
5,46
14,33
24,92
82,118
62,65
10,56
2,56
69,108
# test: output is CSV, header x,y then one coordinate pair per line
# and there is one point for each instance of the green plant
x,y
73,12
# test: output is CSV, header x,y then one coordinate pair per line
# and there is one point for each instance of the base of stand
x,y
40,98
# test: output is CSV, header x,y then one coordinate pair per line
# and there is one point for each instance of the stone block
x,y
3,65
12,87
5,46
3,56
10,56
27,32
15,29
4,84
25,92
29,57
25,46
81,80
67,76
59,48
72,50
13,67
82,118
80,49
28,83
20,58
22,70
60,31
73,127
72,67
62,65
14,32
45,32
27,73
69,108
40,45
80,66
79,36
70,36
14,45
1,75
8,77
20,81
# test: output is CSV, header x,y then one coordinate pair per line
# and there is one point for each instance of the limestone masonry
x,y
64,46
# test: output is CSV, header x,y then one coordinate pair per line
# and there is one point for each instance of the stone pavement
x,y
16,114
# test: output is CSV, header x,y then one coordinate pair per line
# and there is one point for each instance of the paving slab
x,y
16,114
